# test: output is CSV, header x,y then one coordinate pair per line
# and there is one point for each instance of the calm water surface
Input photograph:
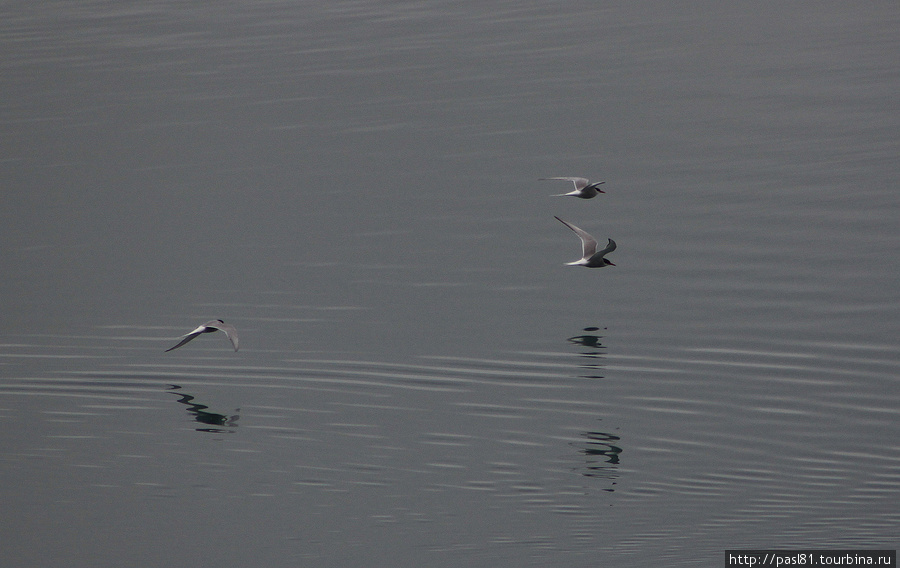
x,y
421,381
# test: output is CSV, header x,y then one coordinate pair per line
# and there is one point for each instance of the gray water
x,y
421,381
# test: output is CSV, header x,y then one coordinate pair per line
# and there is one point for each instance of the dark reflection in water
x,y
601,451
594,347
201,415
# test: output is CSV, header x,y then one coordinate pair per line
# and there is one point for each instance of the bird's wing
x,y
588,243
229,331
580,183
187,338
610,246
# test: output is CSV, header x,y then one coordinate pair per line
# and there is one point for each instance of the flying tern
x,y
590,258
583,187
210,327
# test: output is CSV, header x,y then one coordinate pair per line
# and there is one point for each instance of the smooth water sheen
x,y
421,381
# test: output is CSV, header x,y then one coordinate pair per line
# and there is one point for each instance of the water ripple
x,y
773,433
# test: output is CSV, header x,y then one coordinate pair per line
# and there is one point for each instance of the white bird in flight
x,y
590,258
210,327
583,187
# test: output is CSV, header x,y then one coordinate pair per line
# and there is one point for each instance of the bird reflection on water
x,y
601,451
200,414
592,342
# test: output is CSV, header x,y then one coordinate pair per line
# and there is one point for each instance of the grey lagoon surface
x,y
421,381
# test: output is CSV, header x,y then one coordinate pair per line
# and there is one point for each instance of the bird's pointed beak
x,y
610,264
